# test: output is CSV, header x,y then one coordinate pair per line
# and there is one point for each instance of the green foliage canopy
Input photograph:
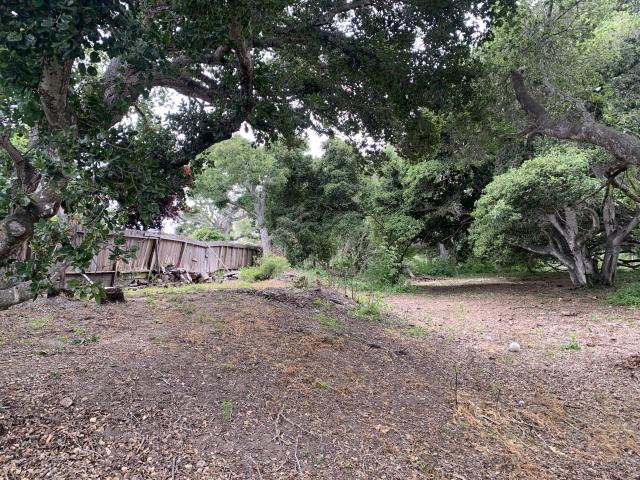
x,y
514,208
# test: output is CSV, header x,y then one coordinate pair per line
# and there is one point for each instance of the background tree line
x,y
448,107
538,169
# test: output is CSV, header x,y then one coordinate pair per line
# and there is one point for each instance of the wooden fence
x,y
156,251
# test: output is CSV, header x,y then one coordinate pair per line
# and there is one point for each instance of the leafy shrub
x,y
475,266
573,343
431,267
370,308
330,322
266,268
628,296
446,267
382,268
417,331
208,234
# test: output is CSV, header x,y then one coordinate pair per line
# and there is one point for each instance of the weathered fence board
x,y
157,251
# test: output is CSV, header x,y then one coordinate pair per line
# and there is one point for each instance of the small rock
x,y
514,347
568,314
521,403
66,402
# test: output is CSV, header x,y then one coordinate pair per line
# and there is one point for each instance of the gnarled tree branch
x,y
15,295
623,146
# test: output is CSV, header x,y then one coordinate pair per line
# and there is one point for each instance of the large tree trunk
x,y
567,245
443,252
581,271
260,205
615,236
609,266
612,245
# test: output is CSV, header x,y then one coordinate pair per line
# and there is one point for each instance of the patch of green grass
x,y
229,366
189,310
573,343
369,308
226,409
83,340
322,385
627,296
174,292
38,323
370,311
330,322
417,331
79,337
267,267
359,284
321,302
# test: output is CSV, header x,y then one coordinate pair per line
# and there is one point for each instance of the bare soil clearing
x,y
279,383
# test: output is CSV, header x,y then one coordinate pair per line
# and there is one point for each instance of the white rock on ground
x,y
514,347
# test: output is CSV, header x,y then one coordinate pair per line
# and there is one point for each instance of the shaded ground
x,y
288,384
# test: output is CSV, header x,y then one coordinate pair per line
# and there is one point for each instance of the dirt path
x,y
543,314
289,384
578,365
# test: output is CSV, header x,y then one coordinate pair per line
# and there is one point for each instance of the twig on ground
x,y
455,384
256,465
173,468
278,434
276,470
294,424
295,454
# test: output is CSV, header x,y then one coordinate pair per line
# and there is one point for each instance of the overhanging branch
x,y
19,161
624,147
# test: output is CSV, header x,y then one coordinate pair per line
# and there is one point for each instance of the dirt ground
x,y
280,383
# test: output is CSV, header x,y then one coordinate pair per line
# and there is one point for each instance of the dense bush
x,y
431,267
266,268
381,268
208,234
447,267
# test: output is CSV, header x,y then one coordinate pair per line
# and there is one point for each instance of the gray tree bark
x,y
568,245
260,205
624,147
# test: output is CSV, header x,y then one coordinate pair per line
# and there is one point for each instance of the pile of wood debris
x,y
178,276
